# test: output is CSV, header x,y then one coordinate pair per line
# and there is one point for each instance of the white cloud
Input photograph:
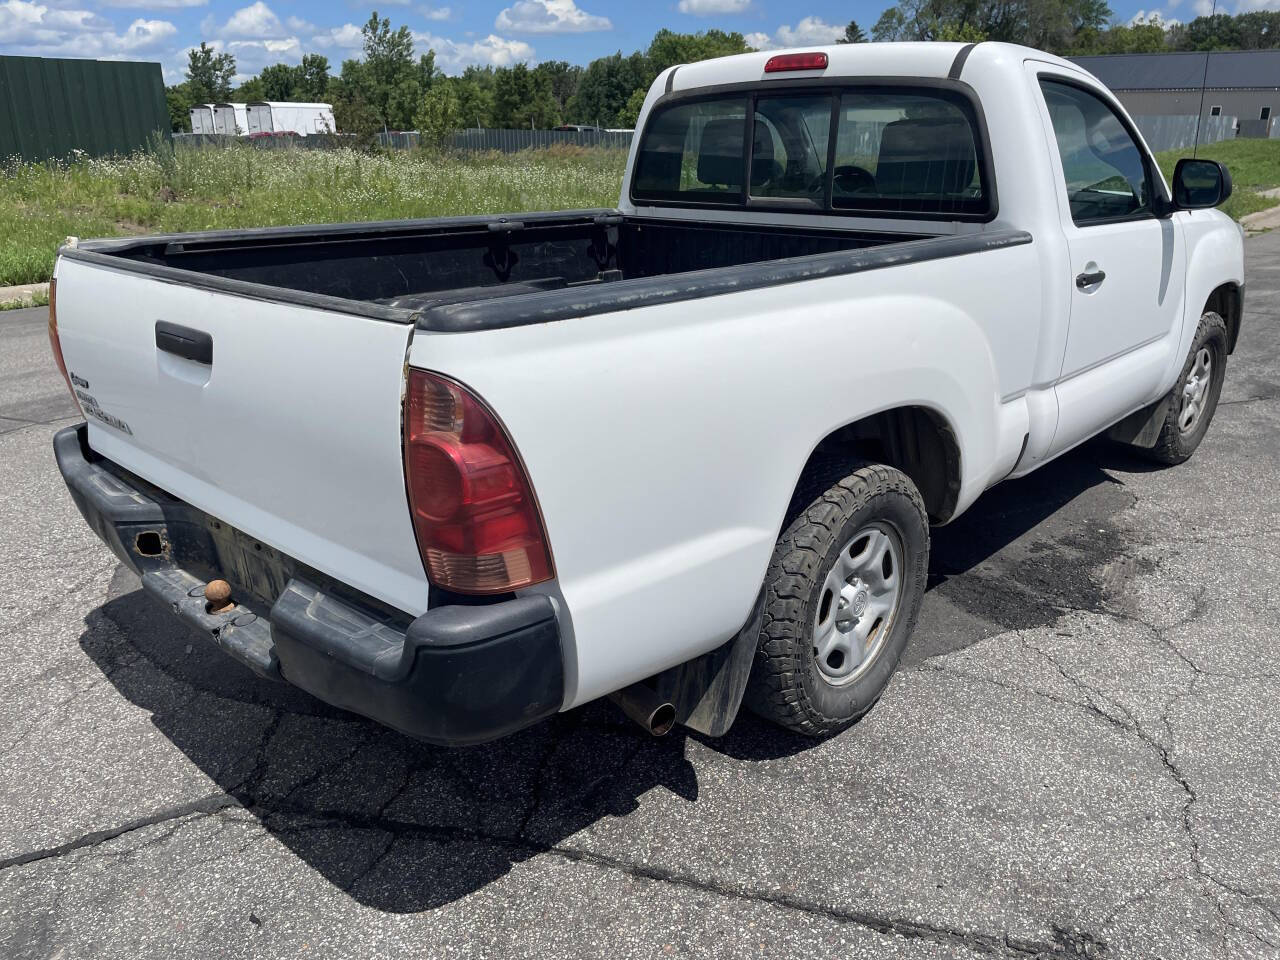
x,y
1152,18
37,29
549,16
254,22
345,37
811,31
155,4
1250,6
436,13
252,55
453,57
707,8
1203,7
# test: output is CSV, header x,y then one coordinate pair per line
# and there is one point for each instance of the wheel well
x,y
915,440
1226,302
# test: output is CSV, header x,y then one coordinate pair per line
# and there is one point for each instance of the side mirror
x,y
1198,184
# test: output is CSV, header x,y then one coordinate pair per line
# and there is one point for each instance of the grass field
x,y
1254,166
245,187
166,192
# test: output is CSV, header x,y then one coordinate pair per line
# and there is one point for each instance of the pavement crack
x,y
1067,944
204,806
1072,944
1259,398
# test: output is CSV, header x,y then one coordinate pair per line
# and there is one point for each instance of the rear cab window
x,y
869,150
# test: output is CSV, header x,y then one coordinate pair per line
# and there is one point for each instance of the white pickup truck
x,y
460,474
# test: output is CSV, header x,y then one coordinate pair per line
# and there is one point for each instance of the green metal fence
x,y
50,109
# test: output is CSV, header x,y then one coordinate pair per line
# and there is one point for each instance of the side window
x,y
694,152
1106,175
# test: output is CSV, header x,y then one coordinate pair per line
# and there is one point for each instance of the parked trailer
x,y
202,118
230,118
274,116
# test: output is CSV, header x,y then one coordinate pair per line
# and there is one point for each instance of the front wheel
x,y
1194,398
841,598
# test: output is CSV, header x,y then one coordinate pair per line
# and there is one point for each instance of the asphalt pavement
x,y
1079,757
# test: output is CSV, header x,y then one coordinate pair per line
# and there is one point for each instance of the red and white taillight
x,y
474,511
55,342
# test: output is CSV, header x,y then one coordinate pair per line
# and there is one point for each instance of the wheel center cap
x,y
859,603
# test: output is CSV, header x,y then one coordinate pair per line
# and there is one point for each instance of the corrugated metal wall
x,y
50,108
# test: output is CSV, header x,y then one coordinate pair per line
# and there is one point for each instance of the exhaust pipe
x,y
642,704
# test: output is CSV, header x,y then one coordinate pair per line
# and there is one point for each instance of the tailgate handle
x,y
183,341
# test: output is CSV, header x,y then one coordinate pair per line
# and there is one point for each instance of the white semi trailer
x,y
273,116
230,118
202,118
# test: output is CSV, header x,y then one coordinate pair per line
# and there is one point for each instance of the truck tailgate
x,y
292,433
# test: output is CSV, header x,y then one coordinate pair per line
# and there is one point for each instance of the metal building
x,y
51,108
1238,83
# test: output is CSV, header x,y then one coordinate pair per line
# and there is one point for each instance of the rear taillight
x,y
55,343
785,62
474,511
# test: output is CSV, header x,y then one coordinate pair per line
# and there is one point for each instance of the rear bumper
x,y
455,675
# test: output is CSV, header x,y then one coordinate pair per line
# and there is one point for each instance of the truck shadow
x,y
403,826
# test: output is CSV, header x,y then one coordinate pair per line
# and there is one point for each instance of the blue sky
x,y
462,32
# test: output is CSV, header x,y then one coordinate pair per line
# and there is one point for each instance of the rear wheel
x,y
1195,396
841,599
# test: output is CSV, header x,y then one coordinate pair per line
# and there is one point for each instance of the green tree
x,y
278,81
474,90
629,115
1052,25
523,99
178,99
354,115
312,78
438,117
251,89
853,34
1259,30
1218,32
387,79
209,74
669,48
606,86
428,72
561,78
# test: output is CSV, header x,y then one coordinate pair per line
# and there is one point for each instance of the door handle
x,y
184,342
1089,279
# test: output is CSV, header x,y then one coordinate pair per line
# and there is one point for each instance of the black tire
x,y
786,685
1174,445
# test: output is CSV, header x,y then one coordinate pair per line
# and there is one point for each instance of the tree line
x,y
1069,27
388,88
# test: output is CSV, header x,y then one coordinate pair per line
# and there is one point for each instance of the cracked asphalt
x,y
1079,757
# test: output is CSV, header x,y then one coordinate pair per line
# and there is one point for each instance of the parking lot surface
x,y
1079,757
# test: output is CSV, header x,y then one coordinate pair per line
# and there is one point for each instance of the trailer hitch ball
x,y
218,595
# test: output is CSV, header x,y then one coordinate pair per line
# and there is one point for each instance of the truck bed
x,y
415,266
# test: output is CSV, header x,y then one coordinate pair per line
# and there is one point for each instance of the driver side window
x,y
1106,176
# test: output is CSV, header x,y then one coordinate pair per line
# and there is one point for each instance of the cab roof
x,y
911,59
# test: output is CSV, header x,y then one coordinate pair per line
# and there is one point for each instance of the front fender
x,y
1215,256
